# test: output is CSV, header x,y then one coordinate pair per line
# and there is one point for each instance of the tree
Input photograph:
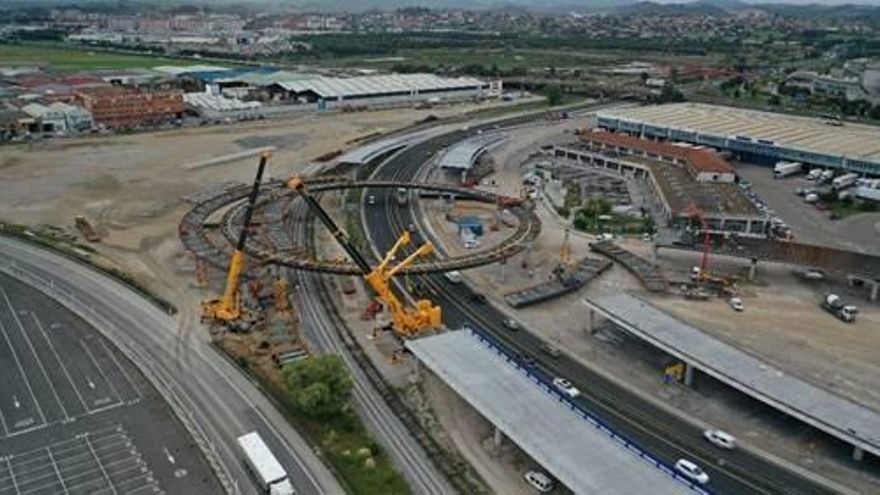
x,y
875,112
774,100
554,95
320,386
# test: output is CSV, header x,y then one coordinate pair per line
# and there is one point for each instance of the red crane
x,y
693,211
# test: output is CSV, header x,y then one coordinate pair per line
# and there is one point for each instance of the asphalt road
x,y
666,436
210,396
65,391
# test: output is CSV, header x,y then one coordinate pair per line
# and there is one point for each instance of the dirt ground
x,y
782,324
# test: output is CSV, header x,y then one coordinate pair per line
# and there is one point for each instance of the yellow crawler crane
x,y
406,321
228,307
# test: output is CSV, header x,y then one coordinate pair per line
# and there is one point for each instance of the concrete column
x,y
498,438
753,269
463,175
875,289
654,251
858,454
688,375
591,321
503,276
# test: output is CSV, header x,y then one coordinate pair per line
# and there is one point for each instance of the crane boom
x,y
228,307
405,321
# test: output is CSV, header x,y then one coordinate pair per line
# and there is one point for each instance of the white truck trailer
x,y
826,176
785,169
844,181
265,467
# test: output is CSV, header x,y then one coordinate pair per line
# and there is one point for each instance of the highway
x,y
665,435
211,397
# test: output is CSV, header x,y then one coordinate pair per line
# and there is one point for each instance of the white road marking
x,y
37,356
18,364
12,475
100,466
122,370
64,368
100,370
57,471
168,454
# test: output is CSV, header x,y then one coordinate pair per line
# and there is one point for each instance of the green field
x,y
74,60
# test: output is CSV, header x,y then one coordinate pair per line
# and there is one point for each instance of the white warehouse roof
x,y
336,87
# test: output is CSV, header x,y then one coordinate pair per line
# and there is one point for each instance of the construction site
x,y
490,333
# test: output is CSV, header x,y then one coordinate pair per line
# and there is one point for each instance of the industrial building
x,y
683,179
125,107
756,136
297,88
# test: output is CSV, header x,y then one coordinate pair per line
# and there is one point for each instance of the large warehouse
x,y
752,135
298,88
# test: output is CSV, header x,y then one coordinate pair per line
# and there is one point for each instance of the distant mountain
x,y
692,9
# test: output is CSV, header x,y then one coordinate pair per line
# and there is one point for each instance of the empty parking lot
x,y
76,416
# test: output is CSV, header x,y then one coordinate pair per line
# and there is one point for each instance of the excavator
x,y
406,321
228,308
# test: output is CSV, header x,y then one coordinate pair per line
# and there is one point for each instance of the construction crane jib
x,y
406,321
228,307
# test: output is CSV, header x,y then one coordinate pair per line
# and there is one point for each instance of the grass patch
x,y
849,208
617,224
70,59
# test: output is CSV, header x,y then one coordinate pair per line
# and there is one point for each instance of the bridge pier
x,y
753,269
688,375
858,453
591,321
875,290
498,438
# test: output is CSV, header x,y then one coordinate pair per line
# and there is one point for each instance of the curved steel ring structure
x,y
194,229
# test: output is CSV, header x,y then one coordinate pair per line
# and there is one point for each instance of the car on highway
x,y
525,359
478,298
371,200
691,471
736,303
539,481
550,350
412,228
566,387
511,324
720,439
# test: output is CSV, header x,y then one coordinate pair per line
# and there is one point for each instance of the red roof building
x,y
705,164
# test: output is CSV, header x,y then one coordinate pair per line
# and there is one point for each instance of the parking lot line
x,y
36,355
57,472
21,369
12,476
91,356
122,370
60,362
100,466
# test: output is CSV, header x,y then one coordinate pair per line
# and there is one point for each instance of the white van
x,y
454,276
539,481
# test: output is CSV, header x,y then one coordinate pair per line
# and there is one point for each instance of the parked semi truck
x,y
785,169
844,181
826,176
814,174
833,304
264,466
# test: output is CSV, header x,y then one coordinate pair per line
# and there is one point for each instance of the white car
x,y
736,303
511,324
566,387
540,481
720,439
691,471
371,200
